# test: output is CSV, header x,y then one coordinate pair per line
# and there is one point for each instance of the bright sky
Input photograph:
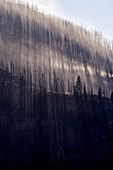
x,y
90,13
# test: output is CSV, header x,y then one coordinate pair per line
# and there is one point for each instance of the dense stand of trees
x,y
45,78
41,129
49,73
31,38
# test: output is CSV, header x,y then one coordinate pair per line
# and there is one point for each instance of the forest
x,y
56,92
54,130
55,47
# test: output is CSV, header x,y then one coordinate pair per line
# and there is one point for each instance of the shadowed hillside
x,y
53,130
55,80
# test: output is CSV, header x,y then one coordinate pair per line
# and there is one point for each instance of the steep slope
x,y
44,122
36,127
61,50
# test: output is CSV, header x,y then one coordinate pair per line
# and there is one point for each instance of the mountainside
x,y
53,130
61,50
55,82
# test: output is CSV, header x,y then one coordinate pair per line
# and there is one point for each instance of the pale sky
x,y
96,14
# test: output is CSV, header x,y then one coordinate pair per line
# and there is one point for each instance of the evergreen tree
x,y
104,94
78,86
112,97
85,92
91,91
100,93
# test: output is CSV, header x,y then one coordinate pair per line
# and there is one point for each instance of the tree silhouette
x,y
99,93
85,92
78,86
112,97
